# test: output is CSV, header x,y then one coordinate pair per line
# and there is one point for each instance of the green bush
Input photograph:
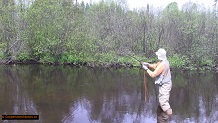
x,y
105,57
47,59
71,57
23,56
179,61
207,62
2,55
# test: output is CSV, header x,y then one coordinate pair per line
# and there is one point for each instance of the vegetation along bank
x,y
107,34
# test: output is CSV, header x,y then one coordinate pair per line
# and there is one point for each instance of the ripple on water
x,y
79,112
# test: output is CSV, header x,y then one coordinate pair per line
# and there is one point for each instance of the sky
x,y
159,3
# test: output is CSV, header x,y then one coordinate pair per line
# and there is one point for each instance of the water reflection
x,y
83,95
162,117
15,100
79,112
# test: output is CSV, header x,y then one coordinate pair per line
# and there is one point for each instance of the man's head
x,y
161,54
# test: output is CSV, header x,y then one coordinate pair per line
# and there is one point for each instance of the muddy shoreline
x,y
93,64
86,64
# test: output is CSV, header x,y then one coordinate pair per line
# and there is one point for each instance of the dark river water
x,y
64,94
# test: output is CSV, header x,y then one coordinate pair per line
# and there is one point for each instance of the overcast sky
x,y
159,3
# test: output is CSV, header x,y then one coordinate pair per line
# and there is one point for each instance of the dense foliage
x,y
65,31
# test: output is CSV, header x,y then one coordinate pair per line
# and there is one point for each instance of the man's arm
x,y
153,66
159,69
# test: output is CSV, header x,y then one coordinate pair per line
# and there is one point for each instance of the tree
x,y
9,28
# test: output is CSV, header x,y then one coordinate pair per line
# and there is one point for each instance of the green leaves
x,y
179,61
61,31
23,56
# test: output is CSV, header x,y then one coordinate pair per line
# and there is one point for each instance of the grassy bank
x,y
112,60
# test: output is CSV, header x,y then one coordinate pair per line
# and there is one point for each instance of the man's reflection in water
x,y
162,117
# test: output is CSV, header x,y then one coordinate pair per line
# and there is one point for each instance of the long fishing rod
x,y
134,58
145,78
146,87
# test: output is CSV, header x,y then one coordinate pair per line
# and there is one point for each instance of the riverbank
x,y
78,64
175,65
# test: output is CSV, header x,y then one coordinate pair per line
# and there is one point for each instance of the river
x,y
65,94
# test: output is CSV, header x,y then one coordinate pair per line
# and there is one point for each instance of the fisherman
x,y
162,77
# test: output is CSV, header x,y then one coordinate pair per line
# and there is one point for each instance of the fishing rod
x,y
146,88
140,62
134,58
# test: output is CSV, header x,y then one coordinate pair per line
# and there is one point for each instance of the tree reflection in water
x,y
15,99
66,94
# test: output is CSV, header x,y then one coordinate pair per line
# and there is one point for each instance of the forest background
x,y
107,33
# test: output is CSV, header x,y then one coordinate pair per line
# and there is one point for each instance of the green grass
x,y
176,61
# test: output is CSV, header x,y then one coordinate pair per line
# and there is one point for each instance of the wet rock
x,y
129,65
3,61
106,65
90,64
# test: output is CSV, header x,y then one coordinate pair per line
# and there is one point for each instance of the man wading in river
x,y
162,77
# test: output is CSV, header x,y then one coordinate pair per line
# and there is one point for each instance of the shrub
x,y
23,56
179,61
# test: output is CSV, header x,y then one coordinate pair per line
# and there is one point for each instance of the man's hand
x,y
144,67
144,63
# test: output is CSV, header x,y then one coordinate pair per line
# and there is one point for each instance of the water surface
x,y
64,94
